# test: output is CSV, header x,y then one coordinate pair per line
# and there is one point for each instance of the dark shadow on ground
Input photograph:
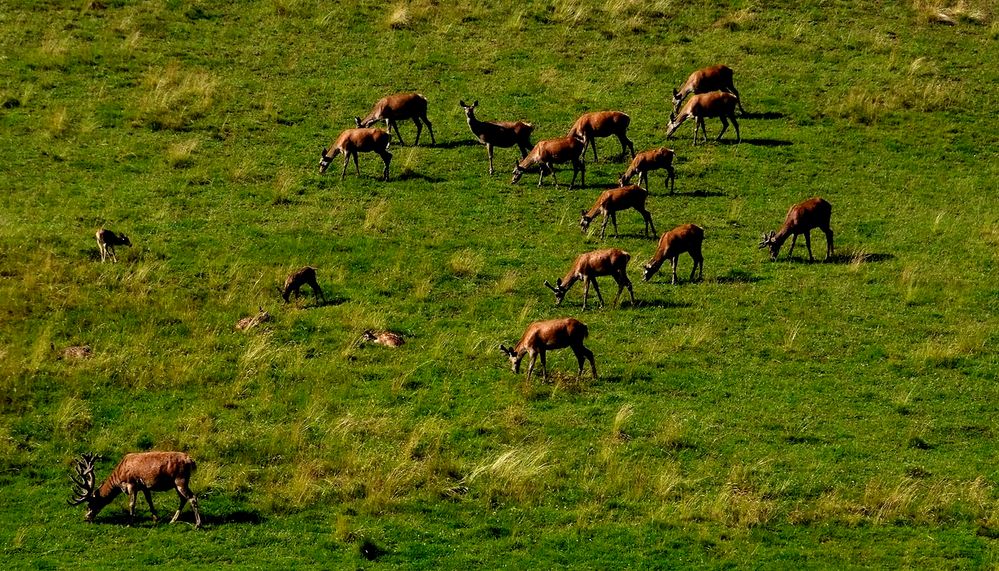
x,y
836,258
737,277
237,517
757,142
764,115
695,193
412,175
660,304
459,143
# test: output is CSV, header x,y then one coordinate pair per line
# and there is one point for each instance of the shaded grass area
x,y
776,414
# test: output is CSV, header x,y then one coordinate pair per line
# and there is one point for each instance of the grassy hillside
x,y
776,414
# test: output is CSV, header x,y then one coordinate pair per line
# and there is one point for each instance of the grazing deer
x,y
398,108
685,238
603,124
587,267
613,201
499,134
107,240
553,151
542,336
715,104
645,161
714,78
353,141
386,338
299,278
800,219
139,472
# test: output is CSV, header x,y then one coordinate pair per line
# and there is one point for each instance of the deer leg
x,y
346,163
530,367
723,129
808,244
430,128
489,151
112,254
582,173
603,226
317,291
149,500
183,500
593,141
357,168
544,365
738,136
698,261
671,179
390,125
586,291
643,179
697,122
673,262
794,238
620,288
648,222
419,129
631,289
738,101
386,158
596,288
132,495
829,241
626,144
583,353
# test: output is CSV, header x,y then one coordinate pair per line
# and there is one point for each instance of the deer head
x,y
647,272
517,172
324,160
84,485
768,241
514,358
558,289
584,221
469,109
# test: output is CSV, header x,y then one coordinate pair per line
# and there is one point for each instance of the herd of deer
x,y
712,94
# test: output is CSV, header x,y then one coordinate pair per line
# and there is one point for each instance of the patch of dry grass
x,y
175,97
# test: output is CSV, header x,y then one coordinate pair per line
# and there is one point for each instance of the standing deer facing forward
x,y
553,151
542,336
603,124
587,267
714,78
398,108
685,238
715,104
139,472
645,161
800,219
353,141
498,134
107,240
299,278
612,201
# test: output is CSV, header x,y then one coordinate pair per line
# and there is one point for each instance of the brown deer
x,y
399,107
553,151
800,219
685,238
299,278
603,124
502,134
107,240
248,323
587,267
714,78
612,201
353,141
139,472
386,338
715,104
645,161
542,336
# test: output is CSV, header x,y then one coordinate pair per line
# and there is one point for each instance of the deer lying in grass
x,y
800,219
685,238
550,152
603,124
502,134
248,323
714,78
107,240
353,141
715,104
645,161
587,267
299,278
139,472
542,336
398,108
612,201
386,338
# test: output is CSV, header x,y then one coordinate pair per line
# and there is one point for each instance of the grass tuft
x,y
174,97
179,155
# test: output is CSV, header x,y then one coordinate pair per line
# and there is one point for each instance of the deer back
x,y
156,471
602,262
710,79
812,213
398,106
711,104
623,198
677,241
600,124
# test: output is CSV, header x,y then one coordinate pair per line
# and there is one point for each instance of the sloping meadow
x,y
838,413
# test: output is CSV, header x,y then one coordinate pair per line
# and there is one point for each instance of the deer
x,y
715,104
542,336
801,219
299,278
587,267
603,124
714,78
553,151
357,140
107,240
653,159
612,201
502,134
248,323
386,338
685,238
137,472
399,107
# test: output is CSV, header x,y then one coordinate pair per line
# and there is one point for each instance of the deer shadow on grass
x,y
695,193
757,142
459,143
413,175
837,259
766,115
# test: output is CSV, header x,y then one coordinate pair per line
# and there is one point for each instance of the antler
x,y
84,484
551,287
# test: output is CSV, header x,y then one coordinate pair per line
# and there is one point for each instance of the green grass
x,y
774,415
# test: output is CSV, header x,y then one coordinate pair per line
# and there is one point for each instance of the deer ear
x,y
476,104
558,283
675,92
461,102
